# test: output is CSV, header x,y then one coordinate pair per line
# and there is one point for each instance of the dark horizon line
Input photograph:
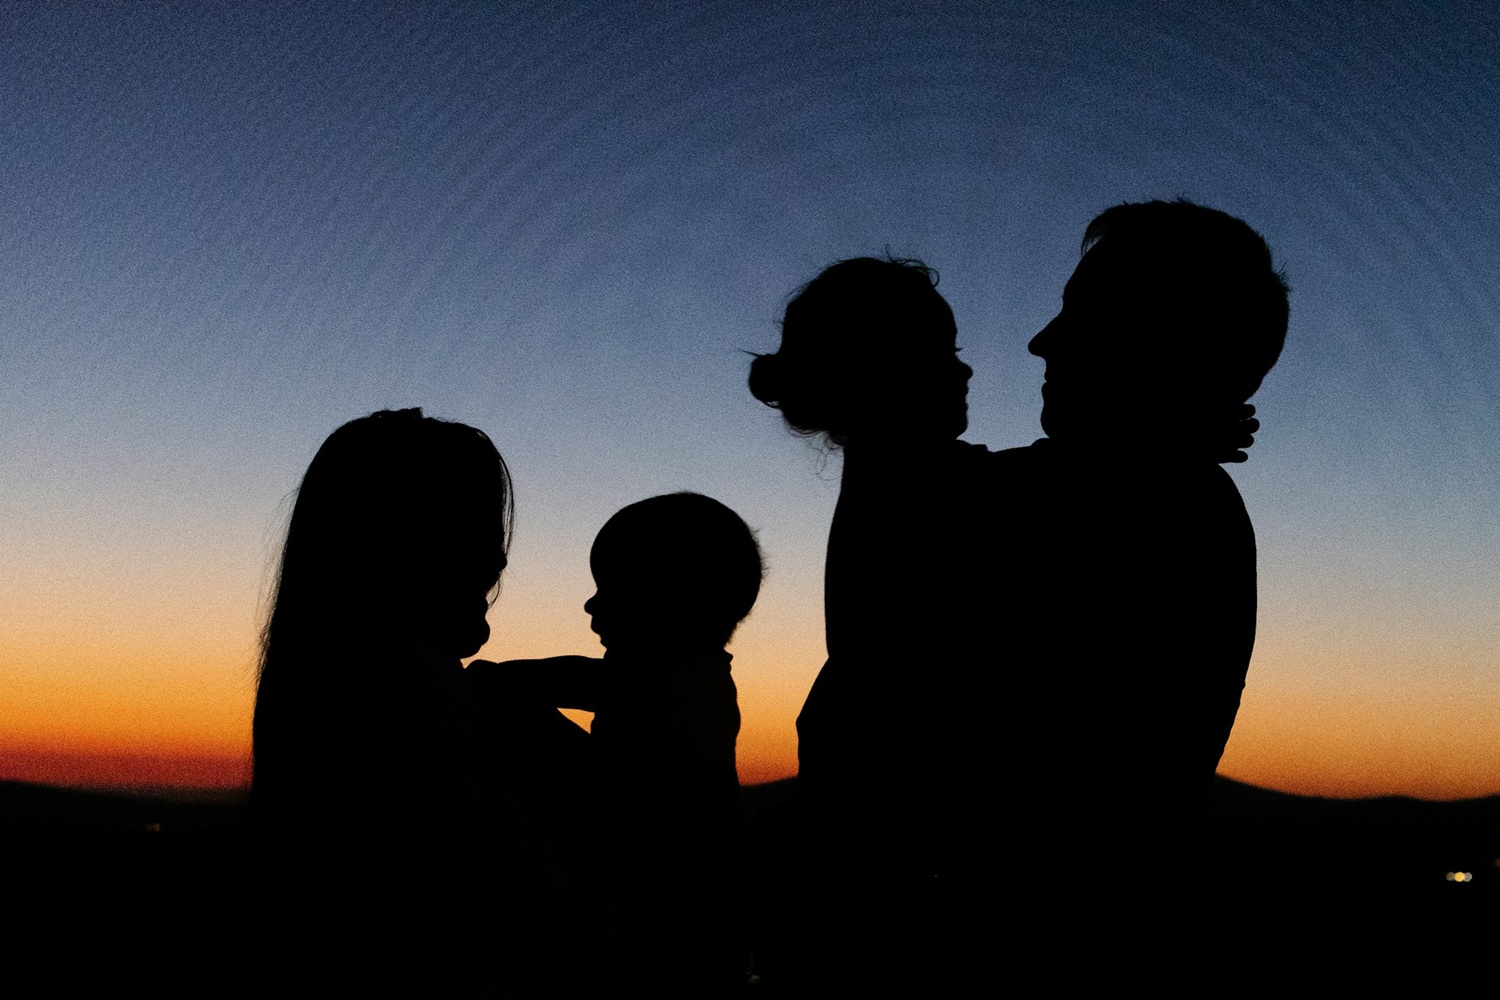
x,y
236,795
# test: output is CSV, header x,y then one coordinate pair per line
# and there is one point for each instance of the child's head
x,y
867,352
673,572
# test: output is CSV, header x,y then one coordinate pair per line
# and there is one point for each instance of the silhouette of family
x,y
1034,655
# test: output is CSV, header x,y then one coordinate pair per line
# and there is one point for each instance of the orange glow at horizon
x,y
121,718
124,769
1314,746
123,700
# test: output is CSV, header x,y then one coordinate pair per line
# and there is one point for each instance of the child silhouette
x,y
675,575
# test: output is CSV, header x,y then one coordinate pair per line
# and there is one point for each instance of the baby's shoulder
x,y
684,715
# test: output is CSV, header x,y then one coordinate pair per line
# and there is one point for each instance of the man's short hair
x,y
1226,285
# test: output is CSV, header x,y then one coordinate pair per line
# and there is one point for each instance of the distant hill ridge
x,y
143,883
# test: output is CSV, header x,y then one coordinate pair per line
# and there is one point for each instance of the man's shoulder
x,y
1092,494
1199,485
1138,471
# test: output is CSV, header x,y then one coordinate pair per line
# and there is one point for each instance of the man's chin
x,y
1050,424
1073,427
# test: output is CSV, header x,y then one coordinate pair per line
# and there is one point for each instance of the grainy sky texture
x,y
229,228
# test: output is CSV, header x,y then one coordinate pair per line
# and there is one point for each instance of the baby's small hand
x,y
1237,437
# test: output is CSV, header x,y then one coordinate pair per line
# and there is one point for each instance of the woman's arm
x,y
560,681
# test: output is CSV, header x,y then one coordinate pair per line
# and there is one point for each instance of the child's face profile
x,y
604,608
663,576
612,615
632,605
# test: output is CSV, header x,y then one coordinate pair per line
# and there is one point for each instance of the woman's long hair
x,y
400,521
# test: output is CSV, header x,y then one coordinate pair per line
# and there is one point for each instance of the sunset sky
x,y
229,228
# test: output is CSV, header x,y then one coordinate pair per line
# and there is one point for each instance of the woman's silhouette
x,y
397,537
410,833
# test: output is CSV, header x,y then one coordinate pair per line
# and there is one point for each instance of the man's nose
x,y
1042,343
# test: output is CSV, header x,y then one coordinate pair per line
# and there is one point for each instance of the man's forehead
x,y
1094,273
1114,269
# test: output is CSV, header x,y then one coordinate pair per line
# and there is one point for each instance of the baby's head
x,y
676,572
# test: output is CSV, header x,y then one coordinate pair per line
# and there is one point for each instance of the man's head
x,y
1174,316
673,572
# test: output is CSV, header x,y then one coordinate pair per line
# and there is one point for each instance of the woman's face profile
x,y
442,593
942,379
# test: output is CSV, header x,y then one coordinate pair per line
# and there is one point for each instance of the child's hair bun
x,y
768,379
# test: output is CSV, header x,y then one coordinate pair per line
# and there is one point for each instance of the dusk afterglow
x,y
232,228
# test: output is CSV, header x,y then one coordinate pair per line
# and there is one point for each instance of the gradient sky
x,y
230,228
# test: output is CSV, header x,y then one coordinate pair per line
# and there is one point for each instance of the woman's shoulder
x,y
389,673
403,706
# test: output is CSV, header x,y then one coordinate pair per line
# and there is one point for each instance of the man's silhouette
x,y
1035,655
1131,581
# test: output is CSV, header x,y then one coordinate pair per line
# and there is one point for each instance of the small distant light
x,y
1449,876
153,827
1459,876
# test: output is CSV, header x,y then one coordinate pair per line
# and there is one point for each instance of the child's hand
x,y
1235,438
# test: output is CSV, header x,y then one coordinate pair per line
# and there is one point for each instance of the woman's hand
x,y
560,681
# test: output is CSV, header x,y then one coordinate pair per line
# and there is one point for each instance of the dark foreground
x,y
103,889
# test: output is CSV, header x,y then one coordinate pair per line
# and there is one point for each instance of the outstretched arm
x,y
560,681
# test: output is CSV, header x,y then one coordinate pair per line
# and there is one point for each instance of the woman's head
x,y
867,351
401,523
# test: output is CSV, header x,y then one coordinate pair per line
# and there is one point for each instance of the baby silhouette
x,y
674,577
